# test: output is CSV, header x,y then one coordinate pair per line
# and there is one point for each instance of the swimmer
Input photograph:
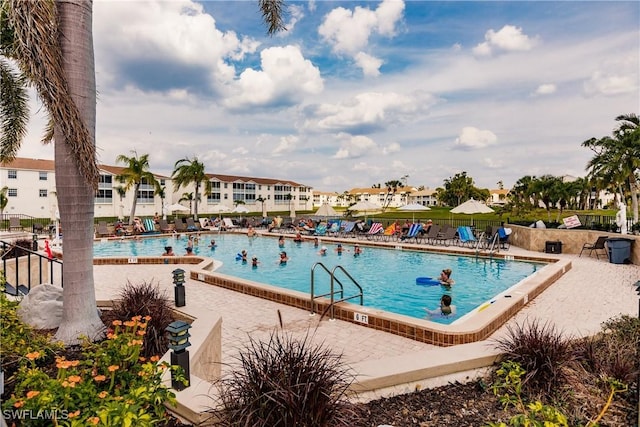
x,y
283,258
323,251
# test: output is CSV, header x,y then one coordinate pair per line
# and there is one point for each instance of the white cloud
x,y
286,145
507,39
285,77
369,64
615,77
368,110
348,32
472,138
177,32
354,146
394,147
546,89
296,13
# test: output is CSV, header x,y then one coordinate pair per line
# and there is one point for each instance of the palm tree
x,y
187,197
617,159
187,171
134,175
52,45
161,191
4,200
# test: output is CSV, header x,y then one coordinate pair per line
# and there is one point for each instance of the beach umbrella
x,y
220,209
240,209
177,207
364,207
326,210
414,207
471,207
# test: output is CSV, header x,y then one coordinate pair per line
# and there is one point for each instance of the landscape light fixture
x,y
179,291
178,335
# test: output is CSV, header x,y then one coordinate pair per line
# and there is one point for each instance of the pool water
x,y
387,276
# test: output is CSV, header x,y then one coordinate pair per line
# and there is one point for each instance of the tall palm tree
x,y
134,174
52,45
191,171
617,159
4,200
187,197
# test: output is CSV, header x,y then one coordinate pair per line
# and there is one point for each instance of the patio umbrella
x,y
326,210
414,207
471,207
220,209
240,209
364,206
177,207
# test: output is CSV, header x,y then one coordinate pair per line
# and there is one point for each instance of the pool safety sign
x,y
571,221
360,317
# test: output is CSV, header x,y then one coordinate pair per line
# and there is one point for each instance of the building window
x,y
43,176
12,192
105,189
12,174
162,182
42,193
214,194
226,196
244,192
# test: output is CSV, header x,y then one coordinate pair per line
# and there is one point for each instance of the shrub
x,y
285,382
145,299
110,384
541,351
18,248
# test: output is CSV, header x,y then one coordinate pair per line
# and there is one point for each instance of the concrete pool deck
x,y
591,292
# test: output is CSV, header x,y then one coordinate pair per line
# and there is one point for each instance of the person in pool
x,y
254,261
283,257
357,250
316,242
445,307
339,249
168,251
212,245
243,256
281,241
323,251
445,277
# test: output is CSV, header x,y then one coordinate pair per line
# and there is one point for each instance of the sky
x,y
358,93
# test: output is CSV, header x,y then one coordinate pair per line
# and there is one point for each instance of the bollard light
x,y
178,281
178,335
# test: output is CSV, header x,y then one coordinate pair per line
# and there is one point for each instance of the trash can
x,y
619,249
553,247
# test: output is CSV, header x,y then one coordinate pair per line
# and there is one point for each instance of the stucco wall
x,y
534,239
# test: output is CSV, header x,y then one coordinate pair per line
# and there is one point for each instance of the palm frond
x,y
273,15
39,56
14,111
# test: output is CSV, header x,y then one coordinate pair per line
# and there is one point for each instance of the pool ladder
x,y
332,291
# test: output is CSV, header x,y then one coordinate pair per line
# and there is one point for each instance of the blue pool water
x,y
387,276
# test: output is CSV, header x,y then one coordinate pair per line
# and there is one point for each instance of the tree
x,y
134,175
161,191
187,197
52,45
392,189
4,200
617,159
459,189
187,171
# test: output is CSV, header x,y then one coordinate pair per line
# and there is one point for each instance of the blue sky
x,y
359,93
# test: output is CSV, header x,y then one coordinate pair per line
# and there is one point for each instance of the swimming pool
x,y
387,276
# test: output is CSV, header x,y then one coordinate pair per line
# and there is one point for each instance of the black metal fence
x,y
23,266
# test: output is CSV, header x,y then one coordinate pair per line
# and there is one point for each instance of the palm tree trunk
x,y
134,204
195,201
75,196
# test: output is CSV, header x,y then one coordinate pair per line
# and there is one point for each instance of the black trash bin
x,y
619,249
551,247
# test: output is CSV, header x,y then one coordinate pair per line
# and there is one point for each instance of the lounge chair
x,y
180,226
228,224
334,229
191,225
375,231
598,245
347,229
149,225
503,238
432,234
103,230
321,229
447,237
466,237
389,234
413,233
14,224
164,226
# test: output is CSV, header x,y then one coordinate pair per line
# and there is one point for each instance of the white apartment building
x,y
32,192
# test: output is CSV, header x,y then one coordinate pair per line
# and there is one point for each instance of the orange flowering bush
x,y
111,384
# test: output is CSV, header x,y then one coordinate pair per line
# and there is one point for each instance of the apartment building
x,y
31,190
